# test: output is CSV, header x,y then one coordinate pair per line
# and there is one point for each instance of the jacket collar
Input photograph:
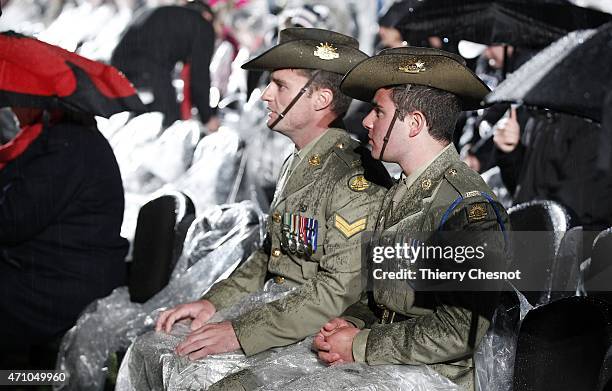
x,y
311,165
423,187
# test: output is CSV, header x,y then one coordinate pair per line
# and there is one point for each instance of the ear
x,y
322,98
417,123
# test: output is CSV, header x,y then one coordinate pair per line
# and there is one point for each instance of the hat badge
x,y
325,51
413,67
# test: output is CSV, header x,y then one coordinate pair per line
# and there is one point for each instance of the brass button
x,y
279,279
276,252
340,145
452,172
314,160
426,184
276,217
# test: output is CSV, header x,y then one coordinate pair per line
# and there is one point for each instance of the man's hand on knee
x,y
213,338
200,311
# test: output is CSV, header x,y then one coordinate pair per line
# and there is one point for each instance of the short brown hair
x,y
441,108
331,80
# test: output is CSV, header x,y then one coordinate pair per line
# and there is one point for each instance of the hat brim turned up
x,y
418,66
309,48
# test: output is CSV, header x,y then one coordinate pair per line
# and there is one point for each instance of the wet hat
x,y
419,66
310,48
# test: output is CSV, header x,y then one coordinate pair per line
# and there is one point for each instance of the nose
x,y
368,121
266,95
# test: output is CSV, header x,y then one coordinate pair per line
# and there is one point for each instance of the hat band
x,y
294,100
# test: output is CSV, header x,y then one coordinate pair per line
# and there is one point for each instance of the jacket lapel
x,y
422,188
310,167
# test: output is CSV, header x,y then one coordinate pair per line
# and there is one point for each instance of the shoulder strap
x,y
490,200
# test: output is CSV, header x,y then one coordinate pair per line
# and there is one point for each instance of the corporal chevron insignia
x,y
349,229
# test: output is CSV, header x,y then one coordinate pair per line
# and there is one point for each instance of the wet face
x,y
284,85
377,123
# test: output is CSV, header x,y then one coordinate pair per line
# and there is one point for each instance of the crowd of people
x,y
379,138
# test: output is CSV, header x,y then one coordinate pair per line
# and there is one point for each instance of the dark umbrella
x,y
36,74
572,75
524,23
396,12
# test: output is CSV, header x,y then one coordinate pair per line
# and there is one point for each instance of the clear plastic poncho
x,y
214,246
150,362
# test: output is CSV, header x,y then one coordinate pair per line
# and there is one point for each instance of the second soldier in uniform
x,y
418,94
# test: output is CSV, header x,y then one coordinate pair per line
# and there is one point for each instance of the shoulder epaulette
x,y
346,150
465,181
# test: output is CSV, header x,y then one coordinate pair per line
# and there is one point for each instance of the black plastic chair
x,y
605,376
566,276
598,275
158,242
562,345
535,254
540,215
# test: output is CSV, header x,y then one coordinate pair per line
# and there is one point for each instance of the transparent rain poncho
x,y
128,143
214,246
494,358
364,377
152,162
169,156
150,362
213,174
296,367
78,23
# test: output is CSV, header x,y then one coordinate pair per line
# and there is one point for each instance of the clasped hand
x,y
334,342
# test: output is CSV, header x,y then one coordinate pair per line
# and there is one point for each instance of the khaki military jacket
x,y
315,226
443,336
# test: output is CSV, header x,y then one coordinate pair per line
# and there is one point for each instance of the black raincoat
x,y
61,209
